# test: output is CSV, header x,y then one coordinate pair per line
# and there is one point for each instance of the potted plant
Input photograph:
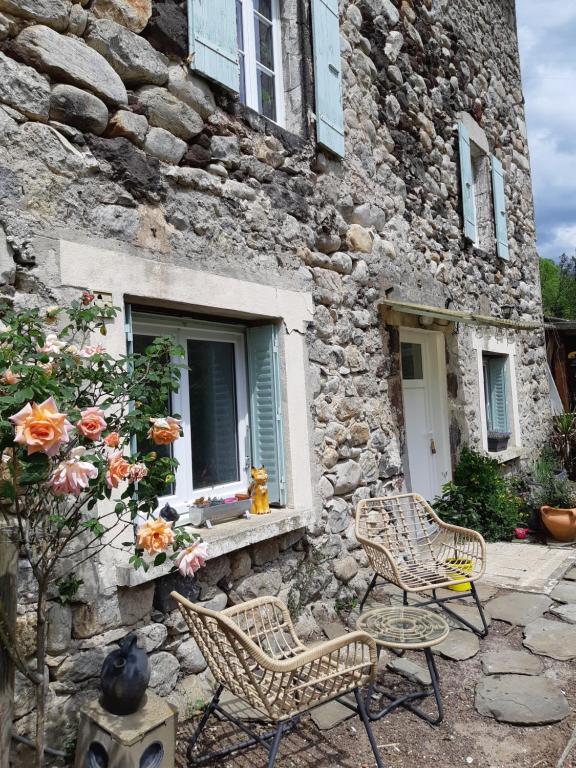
x,y
498,441
555,496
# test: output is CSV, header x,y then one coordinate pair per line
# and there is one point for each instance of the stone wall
x,y
106,138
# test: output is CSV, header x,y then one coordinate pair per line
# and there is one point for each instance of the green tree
x,y
559,287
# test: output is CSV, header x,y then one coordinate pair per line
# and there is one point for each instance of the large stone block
x,y
128,125
132,14
70,60
130,55
59,632
24,88
53,13
348,476
259,584
191,90
164,669
168,29
190,657
72,106
129,166
123,609
166,111
164,145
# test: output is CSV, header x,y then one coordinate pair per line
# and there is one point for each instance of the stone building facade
x,y
384,237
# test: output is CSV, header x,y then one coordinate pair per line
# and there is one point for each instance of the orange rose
x,y
155,536
9,377
164,431
41,427
112,440
118,469
92,423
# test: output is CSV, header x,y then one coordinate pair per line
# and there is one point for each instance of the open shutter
x,y
328,75
499,193
468,203
267,436
213,42
498,395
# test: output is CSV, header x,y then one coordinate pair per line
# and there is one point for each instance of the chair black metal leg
x,y
201,725
405,598
434,678
364,717
370,588
275,745
480,608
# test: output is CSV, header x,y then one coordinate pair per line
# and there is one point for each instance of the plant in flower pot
x,y
554,495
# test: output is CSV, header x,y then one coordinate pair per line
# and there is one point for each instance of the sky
x,y
547,32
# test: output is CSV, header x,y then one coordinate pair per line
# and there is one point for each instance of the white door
x,y
425,411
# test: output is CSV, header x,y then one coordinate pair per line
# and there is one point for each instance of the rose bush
x,y
73,478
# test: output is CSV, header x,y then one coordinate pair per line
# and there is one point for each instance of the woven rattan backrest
x,y
405,525
233,659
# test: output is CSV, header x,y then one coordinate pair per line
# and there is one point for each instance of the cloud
x,y
548,56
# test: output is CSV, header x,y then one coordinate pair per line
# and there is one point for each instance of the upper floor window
x,y
260,59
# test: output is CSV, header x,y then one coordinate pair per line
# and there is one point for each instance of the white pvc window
x,y
260,58
213,453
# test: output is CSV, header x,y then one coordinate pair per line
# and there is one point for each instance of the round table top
x,y
404,627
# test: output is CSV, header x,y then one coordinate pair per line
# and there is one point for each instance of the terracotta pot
x,y
560,523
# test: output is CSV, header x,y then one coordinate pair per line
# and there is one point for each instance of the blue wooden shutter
x,y
266,430
498,392
328,75
499,193
213,42
468,202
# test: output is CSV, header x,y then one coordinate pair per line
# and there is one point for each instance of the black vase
x,y
124,677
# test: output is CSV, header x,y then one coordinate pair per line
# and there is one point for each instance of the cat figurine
x,y
258,491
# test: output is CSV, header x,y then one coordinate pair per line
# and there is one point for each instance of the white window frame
x,y
182,330
499,346
251,66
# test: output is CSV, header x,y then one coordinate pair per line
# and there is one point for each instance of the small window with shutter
x,y
230,405
495,370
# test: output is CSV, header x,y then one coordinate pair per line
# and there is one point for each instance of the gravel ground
x,y
463,738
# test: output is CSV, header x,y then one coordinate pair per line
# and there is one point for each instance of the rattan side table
x,y
405,628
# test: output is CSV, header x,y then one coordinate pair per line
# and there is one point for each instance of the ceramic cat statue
x,y
259,491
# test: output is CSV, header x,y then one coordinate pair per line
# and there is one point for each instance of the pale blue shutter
x,y
499,193
266,430
498,395
213,42
328,75
468,203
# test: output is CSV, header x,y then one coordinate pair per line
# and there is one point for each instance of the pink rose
x,y
112,440
89,351
73,475
41,428
192,558
53,345
138,472
92,423
9,377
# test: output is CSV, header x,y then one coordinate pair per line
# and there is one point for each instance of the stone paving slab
x,y
411,671
334,629
518,608
526,567
570,574
458,646
564,592
551,638
485,592
331,714
507,662
565,612
467,612
521,700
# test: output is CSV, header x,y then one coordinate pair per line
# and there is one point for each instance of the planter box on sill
x,y
219,513
498,441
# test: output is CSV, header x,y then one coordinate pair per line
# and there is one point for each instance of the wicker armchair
x,y
408,545
254,652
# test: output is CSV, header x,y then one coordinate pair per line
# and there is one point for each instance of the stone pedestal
x,y
146,739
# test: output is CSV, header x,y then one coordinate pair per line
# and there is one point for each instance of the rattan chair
x,y
254,652
408,545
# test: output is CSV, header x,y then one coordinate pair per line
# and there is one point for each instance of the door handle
x,y
432,446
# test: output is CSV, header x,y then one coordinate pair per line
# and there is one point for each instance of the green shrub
x,y
480,497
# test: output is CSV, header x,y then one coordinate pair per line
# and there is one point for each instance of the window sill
x,y
223,539
510,454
